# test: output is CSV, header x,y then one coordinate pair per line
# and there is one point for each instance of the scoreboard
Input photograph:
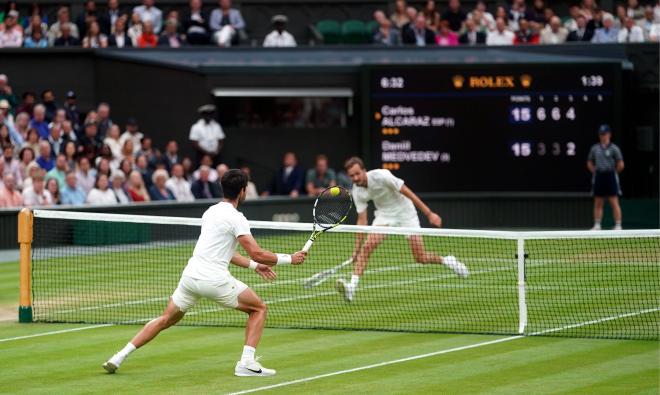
x,y
501,127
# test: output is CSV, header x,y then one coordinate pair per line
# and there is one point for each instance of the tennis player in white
x,y
207,276
395,206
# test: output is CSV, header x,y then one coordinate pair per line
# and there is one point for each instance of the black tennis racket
x,y
330,209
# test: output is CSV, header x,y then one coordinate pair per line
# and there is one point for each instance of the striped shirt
x,y
605,158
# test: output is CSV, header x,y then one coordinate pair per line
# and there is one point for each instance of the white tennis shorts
x,y
411,221
223,291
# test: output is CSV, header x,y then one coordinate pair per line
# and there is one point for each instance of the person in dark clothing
x,y
290,178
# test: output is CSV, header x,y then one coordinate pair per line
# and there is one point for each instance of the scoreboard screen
x,y
504,127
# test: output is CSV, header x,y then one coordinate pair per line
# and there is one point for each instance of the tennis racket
x,y
330,209
321,277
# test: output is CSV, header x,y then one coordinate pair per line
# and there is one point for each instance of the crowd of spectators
x,y
148,26
53,154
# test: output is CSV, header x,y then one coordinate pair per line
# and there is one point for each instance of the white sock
x,y
248,354
597,223
129,348
617,223
355,279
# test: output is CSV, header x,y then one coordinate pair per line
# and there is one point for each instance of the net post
x,y
522,303
25,220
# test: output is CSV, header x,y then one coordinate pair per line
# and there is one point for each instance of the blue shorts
x,y
606,184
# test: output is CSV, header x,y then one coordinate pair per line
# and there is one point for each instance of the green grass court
x,y
566,285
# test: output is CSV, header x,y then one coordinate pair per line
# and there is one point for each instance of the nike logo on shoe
x,y
254,371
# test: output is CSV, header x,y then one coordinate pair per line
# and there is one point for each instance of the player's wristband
x,y
283,259
253,265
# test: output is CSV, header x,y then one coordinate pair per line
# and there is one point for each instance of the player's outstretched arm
x,y
266,257
434,219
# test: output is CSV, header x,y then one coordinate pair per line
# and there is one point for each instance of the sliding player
x,y
207,276
395,206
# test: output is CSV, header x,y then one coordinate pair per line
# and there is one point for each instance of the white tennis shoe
x,y
113,363
460,269
252,368
345,288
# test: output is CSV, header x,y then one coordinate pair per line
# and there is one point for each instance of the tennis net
x,y
106,268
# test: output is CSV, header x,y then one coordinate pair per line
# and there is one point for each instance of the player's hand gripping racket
x,y
330,209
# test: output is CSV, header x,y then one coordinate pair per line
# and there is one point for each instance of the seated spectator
x,y
70,151
320,177
500,36
71,110
11,164
110,17
59,171
40,122
132,133
187,164
22,124
117,180
178,185
48,101
571,23
386,34
57,29
112,141
7,93
36,194
159,191
634,10
554,33
630,33
171,155
71,193
53,187
148,12
204,188
32,140
418,34
432,15
606,34
36,39
446,37
146,149
454,15
134,29
101,194
136,189
226,24
86,175
88,16
35,22
251,189
195,24
290,178
66,38
9,194
56,140
170,37
25,158
516,12
103,121
481,17
45,159
472,36
11,33
588,9
142,166
89,143
582,32
537,13
648,22
94,38
221,169
119,38
103,167
126,167
399,17
148,38
279,37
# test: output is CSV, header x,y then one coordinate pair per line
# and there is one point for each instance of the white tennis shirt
x,y
384,189
222,224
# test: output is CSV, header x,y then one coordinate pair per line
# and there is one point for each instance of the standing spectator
x,y
11,164
630,33
195,24
227,24
71,109
9,195
419,34
251,189
432,15
290,178
119,38
117,180
103,120
57,29
36,39
136,189
159,191
206,134
39,121
446,37
36,194
59,171
583,32
71,193
132,133
472,36
399,17
386,34
85,175
148,38
171,156
53,187
606,34
178,185
554,33
605,162
11,33
170,37
101,194
148,12
320,176
454,15
88,16
94,38
203,188
279,37
500,36
45,159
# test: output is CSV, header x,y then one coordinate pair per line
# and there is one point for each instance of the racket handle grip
x,y
308,245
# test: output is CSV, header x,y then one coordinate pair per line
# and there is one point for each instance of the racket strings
x,y
331,210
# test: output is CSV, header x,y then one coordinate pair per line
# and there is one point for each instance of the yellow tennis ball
x,y
334,191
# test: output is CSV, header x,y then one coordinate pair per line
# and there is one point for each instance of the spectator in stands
x,y
386,34
517,11
606,34
88,143
227,24
48,101
588,8
70,152
27,101
419,34
149,153
500,36
126,167
445,36
320,176
36,39
571,23
25,158
103,167
583,32
647,22
56,140
432,15
11,164
634,10
132,133
149,13
7,93
53,188
187,164
112,141
59,171
39,121
399,17
195,24
289,179
103,121
206,135
88,16
203,188
36,194
142,165
472,36
412,14
251,189
119,38
621,16
128,152
525,35
171,155
279,37
482,18
109,18
67,131
206,161
101,194
148,38
85,174
56,29
71,193
9,194
22,125
134,29
45,159
136,189
117,180
11,33
554,33
170,37
221,169
178,185
71,109
158,189
537,13
454,15
66,38
94,38
35,22
630,33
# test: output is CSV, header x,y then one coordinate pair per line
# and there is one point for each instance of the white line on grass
x,y
82,328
